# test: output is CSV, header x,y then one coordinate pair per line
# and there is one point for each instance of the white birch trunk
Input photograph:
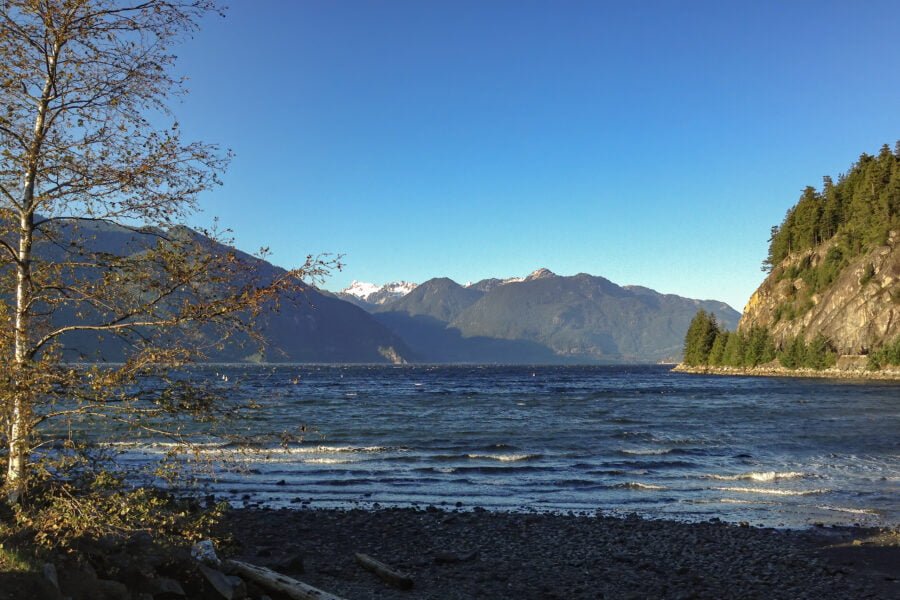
x,y
19,428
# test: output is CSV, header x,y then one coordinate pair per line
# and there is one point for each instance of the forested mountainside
x,y
543,318
833,284
313,327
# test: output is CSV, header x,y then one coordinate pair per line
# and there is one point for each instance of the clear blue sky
x,y
653,143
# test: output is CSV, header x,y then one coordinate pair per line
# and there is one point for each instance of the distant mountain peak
x,y
541,273
360,289
377,294
486,285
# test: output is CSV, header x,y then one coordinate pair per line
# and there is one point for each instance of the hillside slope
x,y
831,300
588,317
440,298
835,262
309,327
857,312
543,318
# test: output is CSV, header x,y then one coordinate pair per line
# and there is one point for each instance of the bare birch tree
x,y
84,86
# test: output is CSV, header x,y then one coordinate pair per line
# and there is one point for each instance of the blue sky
x,y
652,143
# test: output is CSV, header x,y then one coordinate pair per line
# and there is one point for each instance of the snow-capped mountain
x,y
360,292
486,285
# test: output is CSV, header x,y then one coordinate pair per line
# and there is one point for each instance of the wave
x,y
660,451
758,490
647,452
504,457
342,449
249,447
328,461
165,445
635,485
648,464
444,470
852,511
759,476
501,470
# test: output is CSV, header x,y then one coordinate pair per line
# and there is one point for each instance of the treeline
x,y
889,354
860,209
707,344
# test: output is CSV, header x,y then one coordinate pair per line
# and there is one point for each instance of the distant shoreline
x,y
769,370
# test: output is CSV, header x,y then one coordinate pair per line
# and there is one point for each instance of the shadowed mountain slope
x,y
311,326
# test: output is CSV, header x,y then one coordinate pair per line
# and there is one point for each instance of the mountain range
x,y
541,318
367,295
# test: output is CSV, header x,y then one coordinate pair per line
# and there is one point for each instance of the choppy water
x,y
772,451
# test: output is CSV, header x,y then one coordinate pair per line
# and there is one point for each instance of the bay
x,y
779,452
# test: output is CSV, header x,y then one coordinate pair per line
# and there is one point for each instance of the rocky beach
x,y
452,553
479,554
848,368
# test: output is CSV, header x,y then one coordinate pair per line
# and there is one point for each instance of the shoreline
x,y
769,370
481,554
452,554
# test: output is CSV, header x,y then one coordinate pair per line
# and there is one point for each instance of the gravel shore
x,y
480,554
852,372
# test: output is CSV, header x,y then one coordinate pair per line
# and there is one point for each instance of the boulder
x,y
228,587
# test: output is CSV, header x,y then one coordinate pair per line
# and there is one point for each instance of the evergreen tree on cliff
x,y
860,210
84,86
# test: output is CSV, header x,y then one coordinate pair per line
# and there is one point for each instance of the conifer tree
x,y
861,208
717,352
733,356
699,338
793,353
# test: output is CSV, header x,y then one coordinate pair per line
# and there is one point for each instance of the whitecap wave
x,y
852,511
759,476
646,451
338,449
229,448
634,485
758,490
504,457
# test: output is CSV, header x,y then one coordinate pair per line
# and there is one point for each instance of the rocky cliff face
x,y
857,312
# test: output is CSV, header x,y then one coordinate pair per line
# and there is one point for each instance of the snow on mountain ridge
x,y
372,293
485,285
378,294
540,274
360,289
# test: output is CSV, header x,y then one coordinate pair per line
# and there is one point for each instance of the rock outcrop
x,y
857,312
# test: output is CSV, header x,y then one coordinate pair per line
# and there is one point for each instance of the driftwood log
x,y
267,578
396,578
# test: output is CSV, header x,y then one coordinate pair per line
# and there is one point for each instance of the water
x,y
773,451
